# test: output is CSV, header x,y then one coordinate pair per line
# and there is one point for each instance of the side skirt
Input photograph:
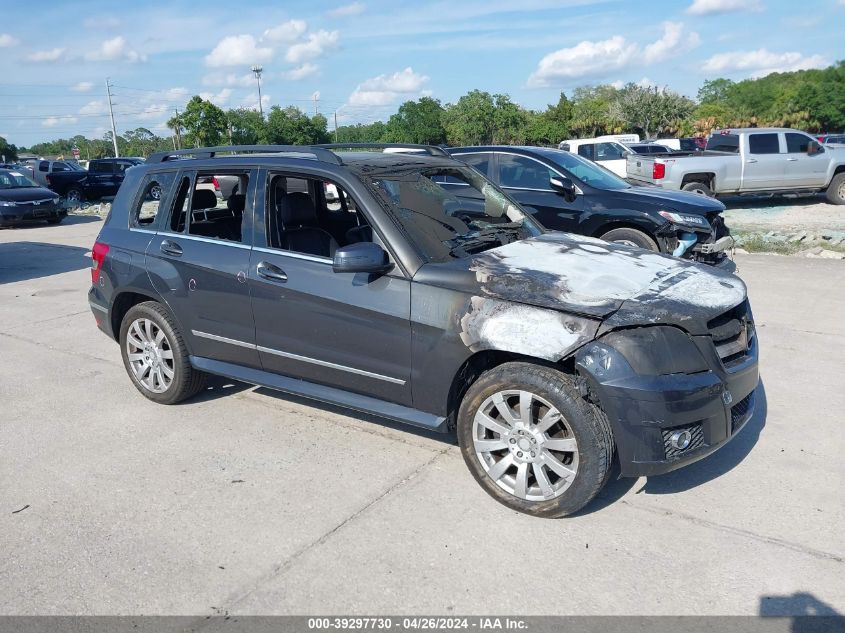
x,y
331,395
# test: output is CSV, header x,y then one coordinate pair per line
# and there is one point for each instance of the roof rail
x,y
432,150
318,151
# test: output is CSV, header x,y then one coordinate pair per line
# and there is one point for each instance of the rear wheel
x,y
532,442
631,237
155,355
836,191
74,196
700,188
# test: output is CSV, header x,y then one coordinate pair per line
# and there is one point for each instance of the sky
x,y
361,59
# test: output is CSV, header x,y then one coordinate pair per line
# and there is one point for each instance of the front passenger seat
x,y
297,220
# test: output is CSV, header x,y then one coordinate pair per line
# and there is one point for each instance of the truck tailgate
x,y
640,167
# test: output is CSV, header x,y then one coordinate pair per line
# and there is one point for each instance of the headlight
x,y
657,350
7,203
686,219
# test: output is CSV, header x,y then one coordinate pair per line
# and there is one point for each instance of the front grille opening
x,y
695,437
741,412
732,332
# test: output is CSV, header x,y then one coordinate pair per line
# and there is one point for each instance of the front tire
x,y
836,191
74,196
631,237
155,355
532,442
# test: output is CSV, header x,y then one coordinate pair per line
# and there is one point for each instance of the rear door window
x,y
767,143
521,172
156,190
586,150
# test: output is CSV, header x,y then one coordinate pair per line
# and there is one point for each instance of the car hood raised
x,y
589,277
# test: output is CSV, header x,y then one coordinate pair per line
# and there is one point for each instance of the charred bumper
x,y
663,422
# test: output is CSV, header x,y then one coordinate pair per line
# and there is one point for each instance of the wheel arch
x,y
124,302
649,229
707,178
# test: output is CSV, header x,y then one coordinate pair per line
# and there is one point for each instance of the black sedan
x,y
566,192
22,201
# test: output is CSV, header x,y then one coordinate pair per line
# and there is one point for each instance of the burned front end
x,y
673,396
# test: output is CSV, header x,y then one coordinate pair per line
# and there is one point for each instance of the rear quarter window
x,y
154,195
723,143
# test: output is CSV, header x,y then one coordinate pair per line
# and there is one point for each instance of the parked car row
x,y
425,292
102,178
22,200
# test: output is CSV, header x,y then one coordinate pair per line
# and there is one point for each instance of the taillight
x,y
98,255
215,183
49,181
658,171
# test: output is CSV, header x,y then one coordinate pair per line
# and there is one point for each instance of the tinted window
x,y
155,196
480,161
763,144
60,167
724,143
608,151
100,167
523,172
43,166
584,170
586,150
797,143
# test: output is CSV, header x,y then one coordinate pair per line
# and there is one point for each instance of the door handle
x,y
271,272
170,247
751,160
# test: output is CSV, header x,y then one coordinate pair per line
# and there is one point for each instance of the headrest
x,y
236,203
203,199
296,209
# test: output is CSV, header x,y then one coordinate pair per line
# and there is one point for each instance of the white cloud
x,y
251,103
711,7
286,32
301,72
114,49
238,50
245,80
761,62
385,89
7,40
94,107
83,86
596,59
354,8
45,56
219,99
314,46
56,120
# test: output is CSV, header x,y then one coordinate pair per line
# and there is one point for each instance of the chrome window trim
x,y
207,240
305,359
132,228
293,254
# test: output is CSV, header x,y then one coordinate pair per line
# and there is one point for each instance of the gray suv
x,y
550,354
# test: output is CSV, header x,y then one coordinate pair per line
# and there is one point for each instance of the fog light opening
x,y
680,440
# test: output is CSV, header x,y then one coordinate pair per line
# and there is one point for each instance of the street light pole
x,y
257,70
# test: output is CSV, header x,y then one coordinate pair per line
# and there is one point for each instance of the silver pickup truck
x,y
748,161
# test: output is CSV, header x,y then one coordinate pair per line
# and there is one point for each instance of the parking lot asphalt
x,y
247,501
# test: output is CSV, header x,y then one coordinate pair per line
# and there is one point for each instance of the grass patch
x,y
756,244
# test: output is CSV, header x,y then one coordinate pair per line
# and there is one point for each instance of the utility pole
x,y
257,70
111,115
316,98
178,130
335,127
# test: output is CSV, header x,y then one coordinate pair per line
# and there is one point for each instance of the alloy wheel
x,y
150,355
525,445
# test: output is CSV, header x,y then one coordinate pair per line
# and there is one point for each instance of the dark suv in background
x,y
103,178
550,354
566,192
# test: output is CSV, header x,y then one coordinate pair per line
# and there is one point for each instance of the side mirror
x,y
565,186
814,147
362,257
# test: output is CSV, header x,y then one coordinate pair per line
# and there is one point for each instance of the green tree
x,y
291,126
7,150
470,120
140,142
417,122
246,127
509,121
714,91
552,125
591,114
650,109
204,123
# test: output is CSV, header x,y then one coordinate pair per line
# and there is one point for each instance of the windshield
x,y
15,180
584,170
446,224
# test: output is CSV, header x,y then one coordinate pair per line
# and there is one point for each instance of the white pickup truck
x,y
748,161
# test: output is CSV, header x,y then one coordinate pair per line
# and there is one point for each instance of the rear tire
x,y
700,188
539,468
631,237
75,197
155,355
836,191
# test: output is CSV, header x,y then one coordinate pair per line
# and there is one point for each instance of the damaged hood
x,y
670,200
590,277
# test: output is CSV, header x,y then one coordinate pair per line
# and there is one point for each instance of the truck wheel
x,y
74,196
699,188
532,442
155,355
631,237
836,190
